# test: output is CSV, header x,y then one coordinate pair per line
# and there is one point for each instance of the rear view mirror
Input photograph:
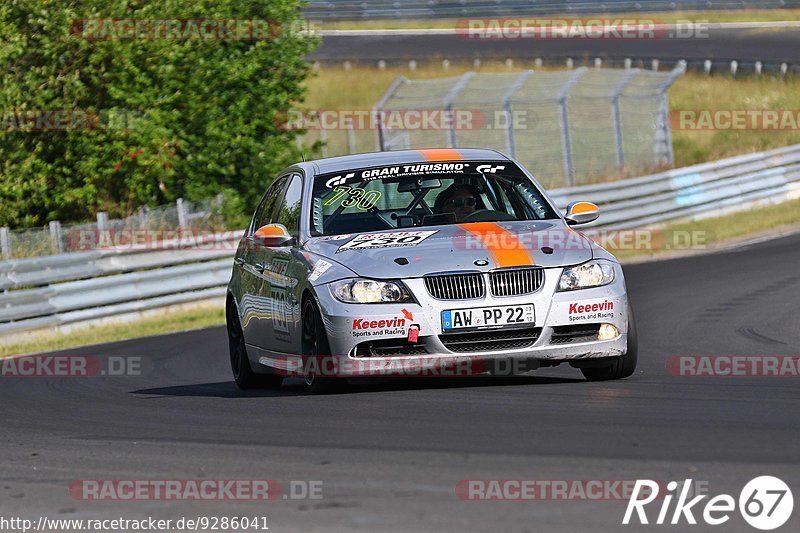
x,y
420,184
272,236
581,213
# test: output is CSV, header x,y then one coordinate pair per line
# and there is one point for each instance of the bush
x,y
169,117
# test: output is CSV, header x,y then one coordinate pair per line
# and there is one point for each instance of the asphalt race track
x,y
772,45
390,455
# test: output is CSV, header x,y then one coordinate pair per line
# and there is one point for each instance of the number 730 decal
x,y
354,197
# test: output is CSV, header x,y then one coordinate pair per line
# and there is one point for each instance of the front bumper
x,y
370,339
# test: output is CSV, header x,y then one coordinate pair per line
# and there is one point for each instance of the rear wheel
x,y
315,344
243,374
619,367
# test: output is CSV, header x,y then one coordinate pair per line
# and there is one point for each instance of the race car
x,y
370,264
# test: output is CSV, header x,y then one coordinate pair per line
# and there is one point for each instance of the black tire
x,y
243,374
619,367
315,343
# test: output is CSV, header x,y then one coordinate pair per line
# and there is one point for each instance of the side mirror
x,y
272,236
581,213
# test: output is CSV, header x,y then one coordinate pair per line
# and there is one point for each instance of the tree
x,y
111,104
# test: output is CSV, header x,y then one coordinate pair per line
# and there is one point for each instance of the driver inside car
x,y
460,199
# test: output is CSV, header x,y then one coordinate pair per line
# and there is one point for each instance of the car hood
x,y
479,246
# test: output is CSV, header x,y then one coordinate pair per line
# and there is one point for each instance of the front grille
x,y
576,333
490,340
456,286
516,282
389,348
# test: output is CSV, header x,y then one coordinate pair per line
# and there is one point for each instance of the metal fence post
x,y
377,111
380,136
323,137
5,243
509,131
663,146
56,238
182,218
662,150
143,214
102,221
447,104
351,139
566,140
615,115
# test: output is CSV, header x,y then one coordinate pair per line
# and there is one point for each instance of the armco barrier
x,y
68,288
691,191
63,289
388,9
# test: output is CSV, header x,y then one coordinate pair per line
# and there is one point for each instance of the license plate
x,y
481,317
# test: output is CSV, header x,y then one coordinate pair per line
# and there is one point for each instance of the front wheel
x,y
243,374
315,349
620,367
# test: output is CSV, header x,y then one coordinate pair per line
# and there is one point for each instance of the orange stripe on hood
x,y
504,247
441,154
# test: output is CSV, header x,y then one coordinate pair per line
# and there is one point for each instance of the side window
x,y
264,213
289,213
505,203
257,215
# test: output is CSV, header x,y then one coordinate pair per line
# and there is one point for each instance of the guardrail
x,y
50,291
699,190
384,9
62,289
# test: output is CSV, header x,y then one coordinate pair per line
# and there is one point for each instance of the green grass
x,y
714,232
697,92
166,322
745,15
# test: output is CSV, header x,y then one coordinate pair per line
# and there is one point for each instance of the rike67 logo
x,y
765,503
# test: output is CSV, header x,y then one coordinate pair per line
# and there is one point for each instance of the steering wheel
x,y
488,215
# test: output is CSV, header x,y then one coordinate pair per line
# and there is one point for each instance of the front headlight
x,y
590,274
368,291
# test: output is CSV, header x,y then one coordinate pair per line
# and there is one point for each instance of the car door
x,y
284,272
255,307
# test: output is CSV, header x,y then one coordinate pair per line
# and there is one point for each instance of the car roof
x,y
399,157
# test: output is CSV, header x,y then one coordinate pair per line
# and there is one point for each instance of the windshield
x,y
424,194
